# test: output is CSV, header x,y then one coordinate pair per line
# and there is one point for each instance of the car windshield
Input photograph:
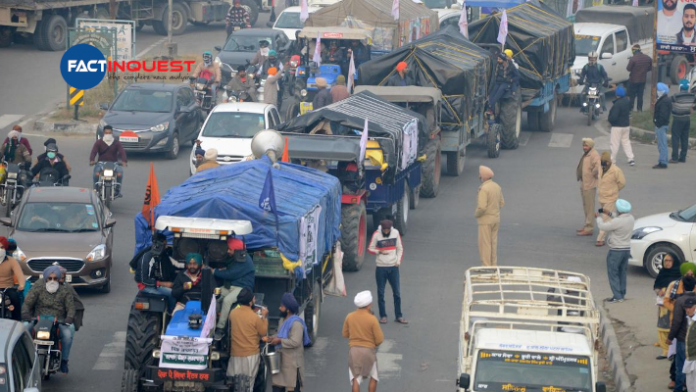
x,y
585,44
58,217
289,20
245,43
531,371
138,100
689,214
234,124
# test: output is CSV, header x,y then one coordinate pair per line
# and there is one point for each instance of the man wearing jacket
x,y
638,67
386,244
489,202
154,270
619,227
588,172
239,274
610,184
620,126
683,104
663,109
679,328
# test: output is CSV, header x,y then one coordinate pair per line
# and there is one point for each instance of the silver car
x,y
19,367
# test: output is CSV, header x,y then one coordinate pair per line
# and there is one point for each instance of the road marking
x,y
111,357
524,138
561,140
149,48
7,119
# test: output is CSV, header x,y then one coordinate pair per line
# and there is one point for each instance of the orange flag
x,y
286,155
152,197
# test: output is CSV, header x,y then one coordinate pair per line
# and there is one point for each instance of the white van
x,y
289,21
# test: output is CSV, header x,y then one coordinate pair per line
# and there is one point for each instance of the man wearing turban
x,y
188,283
588,172
364,335
489,203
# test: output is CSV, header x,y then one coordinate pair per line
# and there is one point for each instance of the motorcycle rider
x,y
109,150
22,140
262,55
506,80
56,300
14,151
51,162
10,271
237,17
209,70
271,61
42,156
154,270
243,82
594,73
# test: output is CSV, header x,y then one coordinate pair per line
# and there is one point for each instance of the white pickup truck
x,y
611,31
528,329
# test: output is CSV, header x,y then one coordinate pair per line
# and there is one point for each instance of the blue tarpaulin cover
x,y
232,192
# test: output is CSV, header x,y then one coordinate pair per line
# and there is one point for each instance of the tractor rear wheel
x,y
353,235
142,338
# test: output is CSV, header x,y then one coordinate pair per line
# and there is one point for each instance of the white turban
x,y
211,154
363,299
13,134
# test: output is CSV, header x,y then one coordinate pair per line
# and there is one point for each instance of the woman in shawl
x,y
669,273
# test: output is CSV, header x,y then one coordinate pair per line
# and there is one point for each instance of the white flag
x,y
304,11
463,22
395,9
502,33
351,73
317,52
363,143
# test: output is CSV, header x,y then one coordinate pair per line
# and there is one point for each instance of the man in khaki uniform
x,y
610,184
588,172
490,201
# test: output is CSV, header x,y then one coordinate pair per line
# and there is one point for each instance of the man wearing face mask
x,y
15,152
611,182
154,271
489,203
56,300
42,156
243,82
261,56
108,149
24,141
271,61
51,163
236,276
619,227
209,70
386,244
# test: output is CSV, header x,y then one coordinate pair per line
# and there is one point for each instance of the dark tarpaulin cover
x,y
233,191
385,120
638,20
542,41
444,60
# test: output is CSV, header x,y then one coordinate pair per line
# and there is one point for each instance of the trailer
x,y
48,21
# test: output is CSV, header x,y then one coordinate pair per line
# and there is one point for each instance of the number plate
x,y
129,139
236,28
43,342
68,278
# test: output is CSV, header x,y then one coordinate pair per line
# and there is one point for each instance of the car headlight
x,y
639,234
43,335
98,253
160,127
19,255
303,92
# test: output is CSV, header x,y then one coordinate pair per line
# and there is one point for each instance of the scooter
x,y
107,186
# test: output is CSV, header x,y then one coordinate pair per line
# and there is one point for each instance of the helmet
x,y
508,53
52,147
207,56
263,44
684,85
593,55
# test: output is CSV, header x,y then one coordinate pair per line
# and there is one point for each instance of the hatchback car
x,y
20,370
241,46
154,117
67,226
656,235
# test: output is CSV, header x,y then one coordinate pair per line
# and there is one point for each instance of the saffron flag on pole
x,y
463,22
395,9
503,32
304,11
351,73
363,144
152,197
317,51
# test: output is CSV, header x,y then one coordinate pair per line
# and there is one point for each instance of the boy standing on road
x,y
386,244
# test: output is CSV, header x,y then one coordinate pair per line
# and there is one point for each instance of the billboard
x,y
675,26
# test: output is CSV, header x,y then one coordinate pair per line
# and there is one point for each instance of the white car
x,y
289,21
230,127
656,235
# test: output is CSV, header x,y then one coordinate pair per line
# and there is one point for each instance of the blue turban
x,y
200,151
620,91
662,88
195,256
290,303
623,206
54,269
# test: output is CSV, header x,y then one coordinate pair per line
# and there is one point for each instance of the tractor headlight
x,y
160,127
43,335
303,92
639,234
584,104
98,253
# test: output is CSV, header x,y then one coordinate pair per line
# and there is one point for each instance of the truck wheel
x,y
548,120
38,35
493,140
312,313
511,123
5,37
55,33
402,207
180,19
678,69
159,27
100,13
130,382
253,10
455,163
430,183
142,337
353,235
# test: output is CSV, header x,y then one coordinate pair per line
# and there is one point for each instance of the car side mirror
x,y
218,48
110,222
606,56
600,387
464,380
269,24
104,106
6,222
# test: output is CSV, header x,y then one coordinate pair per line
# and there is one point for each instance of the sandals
x,y
383,320
599,243
401,321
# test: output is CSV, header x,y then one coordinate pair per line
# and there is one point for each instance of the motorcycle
x,y
11,190
51,177
592,103
236,96
202,90
107,186
47,344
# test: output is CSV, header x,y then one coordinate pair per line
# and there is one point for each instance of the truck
x,y
448,62
526,329
543,46
611,31
292,243
386,180
48,21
